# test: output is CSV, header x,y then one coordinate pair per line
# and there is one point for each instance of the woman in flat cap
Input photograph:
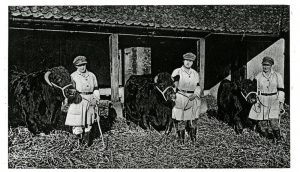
x,y
186,110
271,98
81,116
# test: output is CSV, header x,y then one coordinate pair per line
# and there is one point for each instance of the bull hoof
x,y
238,131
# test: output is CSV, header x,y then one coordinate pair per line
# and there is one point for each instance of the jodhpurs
x,y
188,124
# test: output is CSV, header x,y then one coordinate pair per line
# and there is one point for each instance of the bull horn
x,y
155,79
251,77
46,77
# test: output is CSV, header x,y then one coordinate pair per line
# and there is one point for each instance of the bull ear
x,y
46,77
234,86
252,77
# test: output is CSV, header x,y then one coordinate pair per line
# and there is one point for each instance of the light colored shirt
x,y
184,108
268,105
84,82
269,84
188,80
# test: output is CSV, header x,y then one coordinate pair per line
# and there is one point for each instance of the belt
x,y
86,93
268,94
185,91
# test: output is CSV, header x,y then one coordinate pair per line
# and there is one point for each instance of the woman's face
x,y
266,68
81,68
187,63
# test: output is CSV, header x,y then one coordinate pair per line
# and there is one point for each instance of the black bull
x,y
235,101
38,97
149,101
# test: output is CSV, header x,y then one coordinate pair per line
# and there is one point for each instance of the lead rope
x,y
187,101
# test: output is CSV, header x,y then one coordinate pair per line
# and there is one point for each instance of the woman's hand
x,y
192,97
281,106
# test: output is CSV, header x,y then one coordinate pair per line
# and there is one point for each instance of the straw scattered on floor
x,y
217,146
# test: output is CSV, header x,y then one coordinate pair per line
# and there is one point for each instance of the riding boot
x,y
80,140
192,135
277,135
182,133
264,134
195,134
86,139
179,134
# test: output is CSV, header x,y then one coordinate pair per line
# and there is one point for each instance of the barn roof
x,y
267,19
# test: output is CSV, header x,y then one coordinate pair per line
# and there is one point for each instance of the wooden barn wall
x,y
137,61
278,51
223,54
36,50
226,57
167,54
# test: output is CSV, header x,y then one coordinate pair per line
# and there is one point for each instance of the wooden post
x,y
114,66
201,61
114,73
121,56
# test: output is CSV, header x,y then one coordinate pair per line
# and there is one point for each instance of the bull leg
x,y
144,121
55,116
32,125
169,127
238,127
30,122
132,117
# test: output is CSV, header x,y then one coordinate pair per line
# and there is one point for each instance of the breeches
x,y
187,124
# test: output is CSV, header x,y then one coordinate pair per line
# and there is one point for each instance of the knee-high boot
x,y
192,133
182,133
179,134
277,134
80,139
195,134
86,139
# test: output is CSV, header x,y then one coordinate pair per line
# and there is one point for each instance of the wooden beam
x,y
114,66
201,61
114,74
121,57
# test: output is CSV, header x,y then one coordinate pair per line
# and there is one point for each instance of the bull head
x,y
165,85
248,89
67,89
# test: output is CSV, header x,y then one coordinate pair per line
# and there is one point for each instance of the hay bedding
x,y
217,146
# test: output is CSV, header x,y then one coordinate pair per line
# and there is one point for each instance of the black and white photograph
x,y
188,86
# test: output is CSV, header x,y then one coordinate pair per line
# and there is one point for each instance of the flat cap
x,y
189,56
267,60
79,60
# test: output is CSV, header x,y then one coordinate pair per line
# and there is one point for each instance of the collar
x,y
271,73
188,72
86,74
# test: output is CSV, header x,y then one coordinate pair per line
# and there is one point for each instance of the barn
x,y
119,41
